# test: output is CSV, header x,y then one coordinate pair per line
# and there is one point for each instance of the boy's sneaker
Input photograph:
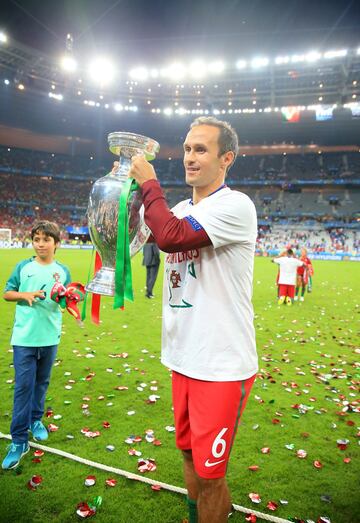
x,y
301,298
288,300
15,452
281,300
38,430
296,298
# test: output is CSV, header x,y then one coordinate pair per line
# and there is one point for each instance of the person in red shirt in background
x,y
304,274
310,275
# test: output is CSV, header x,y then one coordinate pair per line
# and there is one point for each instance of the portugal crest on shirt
x,y
175,278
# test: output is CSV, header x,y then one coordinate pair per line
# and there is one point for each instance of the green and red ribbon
x,y
123,277
96,298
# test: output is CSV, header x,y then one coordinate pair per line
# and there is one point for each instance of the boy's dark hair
x,y
228,139
48,228
290,252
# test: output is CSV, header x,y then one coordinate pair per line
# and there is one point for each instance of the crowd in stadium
x,y
51,186
44,163
286,167
318,240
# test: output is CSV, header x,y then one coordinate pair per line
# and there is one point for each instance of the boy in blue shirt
x,y
35,338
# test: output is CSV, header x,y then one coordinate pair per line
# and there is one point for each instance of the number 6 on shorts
x,y
218,441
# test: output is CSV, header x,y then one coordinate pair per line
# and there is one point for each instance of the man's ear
x,y
228,158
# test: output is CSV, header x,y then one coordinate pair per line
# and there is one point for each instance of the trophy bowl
x,y
103,208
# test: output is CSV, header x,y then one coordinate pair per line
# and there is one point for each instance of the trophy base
x,y
103,282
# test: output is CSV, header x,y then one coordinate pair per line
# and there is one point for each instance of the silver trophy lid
x,y
132,143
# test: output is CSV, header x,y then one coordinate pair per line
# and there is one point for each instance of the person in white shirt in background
x,y
288,266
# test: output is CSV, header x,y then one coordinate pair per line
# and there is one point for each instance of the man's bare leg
x,y
213,501
190,476
212,495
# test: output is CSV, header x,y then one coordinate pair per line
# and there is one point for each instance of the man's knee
x,y
208,486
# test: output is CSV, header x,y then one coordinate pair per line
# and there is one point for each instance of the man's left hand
x,y
141,170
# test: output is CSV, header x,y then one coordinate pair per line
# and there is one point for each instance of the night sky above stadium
x,y
157,30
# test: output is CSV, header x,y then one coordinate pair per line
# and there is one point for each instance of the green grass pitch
x,y
307,355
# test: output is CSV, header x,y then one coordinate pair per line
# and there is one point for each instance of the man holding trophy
x,y
208,337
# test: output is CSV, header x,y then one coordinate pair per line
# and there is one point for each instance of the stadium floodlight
x,y
216,67
102,71
279,60
139,73
168,111
6,81
312,56
56,96
260,61
3,37
197,69
118,107
241,64
335,54
358,50
296,58
175,71
68,63
154,73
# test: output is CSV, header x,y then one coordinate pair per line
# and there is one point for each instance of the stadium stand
x,y
298,120
38,185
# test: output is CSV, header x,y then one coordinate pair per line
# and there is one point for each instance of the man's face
x,y
44,245
203,166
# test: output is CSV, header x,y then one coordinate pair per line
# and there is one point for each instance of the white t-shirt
x,y
288,269
208,330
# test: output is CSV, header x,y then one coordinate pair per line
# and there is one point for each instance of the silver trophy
x,y
103,208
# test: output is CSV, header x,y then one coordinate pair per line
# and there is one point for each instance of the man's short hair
x,y
228,138
48,228
290,252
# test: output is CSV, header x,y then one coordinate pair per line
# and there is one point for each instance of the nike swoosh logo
x,y
212,464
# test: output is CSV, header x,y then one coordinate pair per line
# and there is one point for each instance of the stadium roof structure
x,y
250,84
263,66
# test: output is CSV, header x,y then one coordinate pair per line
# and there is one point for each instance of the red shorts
x,y
302,279
287,290
207,414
